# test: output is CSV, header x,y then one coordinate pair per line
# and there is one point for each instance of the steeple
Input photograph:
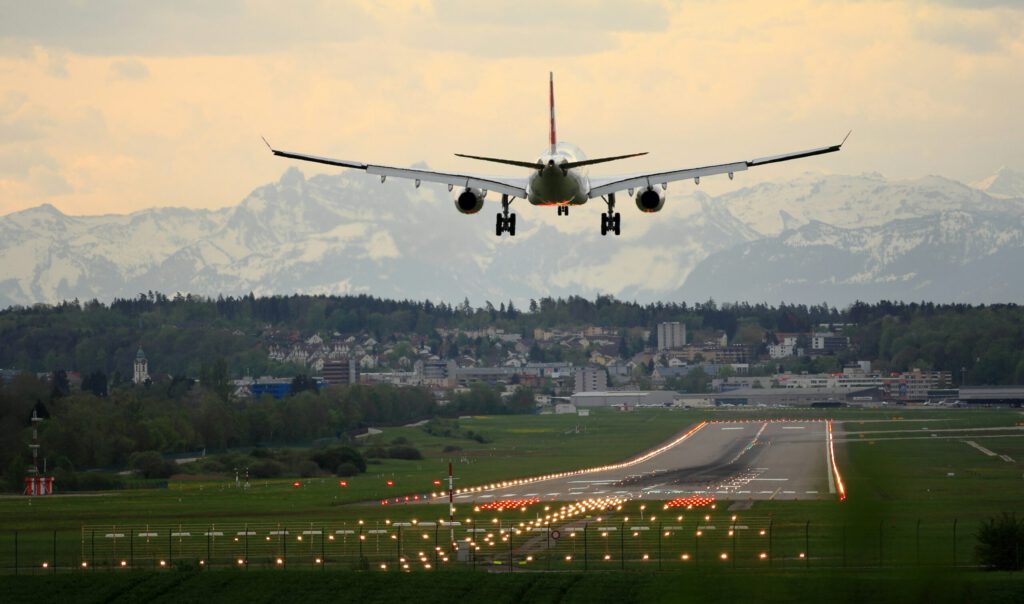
x,y
140,371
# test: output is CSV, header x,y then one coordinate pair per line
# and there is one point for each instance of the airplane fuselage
x,y
554,186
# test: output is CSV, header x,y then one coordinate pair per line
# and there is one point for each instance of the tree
x,y
61,386
1000,543
95,382
302,383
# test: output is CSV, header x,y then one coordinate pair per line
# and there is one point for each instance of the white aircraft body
x,y
557,178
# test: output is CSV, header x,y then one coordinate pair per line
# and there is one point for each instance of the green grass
x,y
624,588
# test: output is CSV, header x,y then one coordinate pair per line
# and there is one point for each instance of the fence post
x,y
659,545
881,542
954,542
622,546
585,525
735,536
398,548
284,547
208,531
170,547
246,546
917,542
131,547
807,544
509,534
435,546
844,546
770,555
92,550
549,546
360,539
323,549
55,552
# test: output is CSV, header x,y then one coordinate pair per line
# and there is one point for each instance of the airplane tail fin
x,y
551,102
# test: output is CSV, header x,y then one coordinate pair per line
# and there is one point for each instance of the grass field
x,y
914,503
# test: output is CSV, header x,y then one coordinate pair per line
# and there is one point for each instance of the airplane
x,y
557,178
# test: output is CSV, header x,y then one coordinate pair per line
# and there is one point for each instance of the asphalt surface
x,y
727,460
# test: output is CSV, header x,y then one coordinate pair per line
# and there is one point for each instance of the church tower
x,y
141,372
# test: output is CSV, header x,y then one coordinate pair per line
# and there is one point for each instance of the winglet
x,y
844,138
266,143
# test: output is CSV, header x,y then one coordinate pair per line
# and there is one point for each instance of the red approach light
x,y
437,483
342,483
692,501
391,483
296,484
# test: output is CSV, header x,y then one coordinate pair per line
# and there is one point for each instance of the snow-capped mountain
x,y
816,238
950,256
1004,184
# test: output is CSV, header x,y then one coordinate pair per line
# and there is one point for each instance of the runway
x,y
726,460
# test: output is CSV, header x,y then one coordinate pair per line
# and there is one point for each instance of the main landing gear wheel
x,y
611,221
505,222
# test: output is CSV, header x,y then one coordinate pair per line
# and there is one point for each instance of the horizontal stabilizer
x,y
598,160
539,166
511,162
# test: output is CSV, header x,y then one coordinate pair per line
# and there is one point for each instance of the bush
x,y
308,469
346,468
451,449
1001,543
401,440
150,464
329,459
267,468
404,452
377,452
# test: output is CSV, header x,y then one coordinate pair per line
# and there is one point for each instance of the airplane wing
x,y
507,186
650,180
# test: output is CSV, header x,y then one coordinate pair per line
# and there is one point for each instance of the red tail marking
x,y
551,99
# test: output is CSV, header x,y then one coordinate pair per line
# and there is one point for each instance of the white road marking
x,y
733,428
793,427
486,496
770,479
988,452
811,492
509,495
789,492
592,481
1006,458
551,494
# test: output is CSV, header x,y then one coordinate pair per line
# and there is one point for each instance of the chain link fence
x,y
695,540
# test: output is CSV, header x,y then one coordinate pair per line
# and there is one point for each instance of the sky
x,y
115,106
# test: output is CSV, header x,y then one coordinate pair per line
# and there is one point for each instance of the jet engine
x,y
469,200
650,199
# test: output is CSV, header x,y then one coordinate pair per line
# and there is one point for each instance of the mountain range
x,y
816,238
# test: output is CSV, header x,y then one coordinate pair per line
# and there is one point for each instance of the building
x,y
589,379
787,348
341,373
828,343
653,398
671,335
140,371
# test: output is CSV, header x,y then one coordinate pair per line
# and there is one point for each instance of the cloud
x,y
129,69
184,27
972,31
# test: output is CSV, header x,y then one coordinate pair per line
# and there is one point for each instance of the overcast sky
x,y
114,106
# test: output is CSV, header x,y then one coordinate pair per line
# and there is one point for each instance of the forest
x,y
186,335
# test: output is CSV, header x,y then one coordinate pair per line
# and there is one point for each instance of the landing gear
x,y
611,221
506,222
563,210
